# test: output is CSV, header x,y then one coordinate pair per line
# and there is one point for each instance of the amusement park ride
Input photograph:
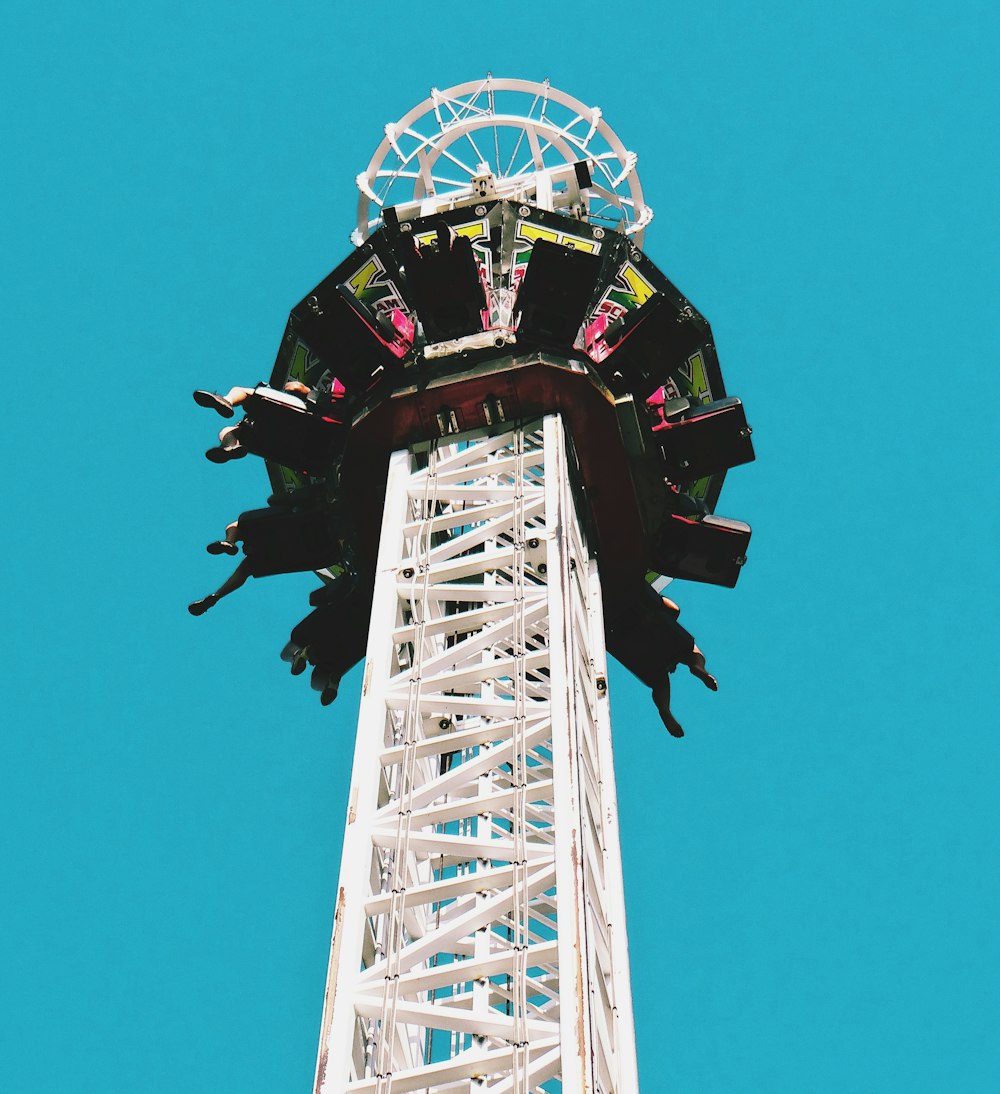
x,y
494,431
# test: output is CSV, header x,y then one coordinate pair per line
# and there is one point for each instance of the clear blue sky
x,y
812,873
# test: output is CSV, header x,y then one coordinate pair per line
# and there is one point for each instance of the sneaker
x,y
224,455
222,547
211,401
199,607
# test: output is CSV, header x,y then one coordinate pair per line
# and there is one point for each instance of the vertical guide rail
x,y
479,937
569,657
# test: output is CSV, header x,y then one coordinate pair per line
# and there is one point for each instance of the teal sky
x,y
811,874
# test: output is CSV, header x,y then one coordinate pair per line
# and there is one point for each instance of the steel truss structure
x,y
503,138
478,944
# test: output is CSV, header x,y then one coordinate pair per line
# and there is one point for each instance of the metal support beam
x,y
479,937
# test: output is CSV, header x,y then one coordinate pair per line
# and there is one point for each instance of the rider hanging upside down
x,y
334,636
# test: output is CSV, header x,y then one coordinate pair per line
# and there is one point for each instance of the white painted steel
x,y
514,139
479,937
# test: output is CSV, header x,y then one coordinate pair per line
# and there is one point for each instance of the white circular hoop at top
x,y
512,130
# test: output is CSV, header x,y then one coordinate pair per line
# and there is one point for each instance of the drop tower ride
x,y
534,435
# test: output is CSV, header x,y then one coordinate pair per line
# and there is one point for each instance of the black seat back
x,y
650,345
711,550
555,294
444,287
705,440
301,440
348,337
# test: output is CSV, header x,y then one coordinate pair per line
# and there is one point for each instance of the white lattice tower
x,y
479,938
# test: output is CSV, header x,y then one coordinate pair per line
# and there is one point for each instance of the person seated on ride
x,y
644,635
282,540
301,428
332,638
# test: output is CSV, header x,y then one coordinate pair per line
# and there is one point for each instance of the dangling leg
x,y
229,446
226,546
327,682
296,656
329,693
696,663
235,581
236,395
661,697
229,437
